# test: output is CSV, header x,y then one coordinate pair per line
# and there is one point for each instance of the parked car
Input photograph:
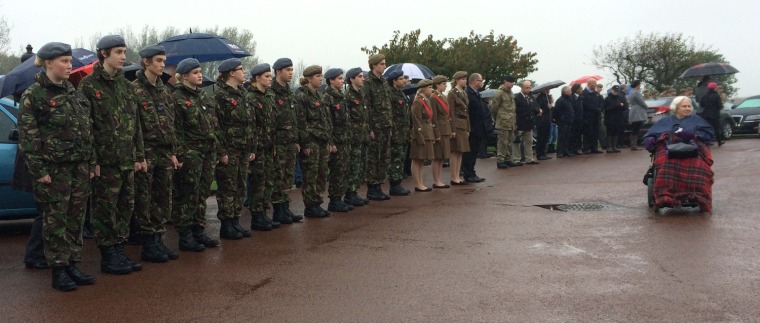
x,y
747,115
660,108
14,204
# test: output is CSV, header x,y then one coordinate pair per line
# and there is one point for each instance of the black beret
x,y
333,73
616,87
53,50
312,70
394,75
282,63
259,69
353,72
152,50
111,41
229,65
187,65
510,78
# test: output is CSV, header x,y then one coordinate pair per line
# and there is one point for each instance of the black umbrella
x,y
547,85
203,47
22,76
708,69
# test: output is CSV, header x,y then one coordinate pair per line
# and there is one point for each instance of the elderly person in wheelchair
x,y
681,173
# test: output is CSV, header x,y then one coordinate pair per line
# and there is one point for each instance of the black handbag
x,y
681,149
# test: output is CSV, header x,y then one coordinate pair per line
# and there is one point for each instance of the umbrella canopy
x,y
203,47
413,70
409,89
78,74
487,94
708,69
547,85
584,79
22,76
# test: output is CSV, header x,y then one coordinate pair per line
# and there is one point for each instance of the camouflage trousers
x,y
379,157
315,171
285,161
63,203
153,192
265,179
192,186
230,183
504,143
339,171
357,166
113,201
398,156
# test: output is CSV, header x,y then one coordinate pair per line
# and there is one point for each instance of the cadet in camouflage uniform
x,y
286,134
402,125
153,189
118,146
378,99
265,175
315,138
236,137
338,161
55,135
197,137
358,114
504,114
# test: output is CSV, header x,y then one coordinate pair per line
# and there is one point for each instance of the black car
x,y
746,115
660,108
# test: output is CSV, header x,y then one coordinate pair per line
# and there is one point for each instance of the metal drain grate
x,y
580,207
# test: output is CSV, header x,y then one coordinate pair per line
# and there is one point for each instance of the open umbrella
x,y
413,70
22,76
547,85
203,47
78,74
707,69
584,79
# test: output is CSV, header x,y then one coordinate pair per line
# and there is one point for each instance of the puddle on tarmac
x,y
580,207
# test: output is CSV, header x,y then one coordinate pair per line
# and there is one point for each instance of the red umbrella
x,y
78,74
584,79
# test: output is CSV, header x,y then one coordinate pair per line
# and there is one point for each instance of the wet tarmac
x,y
478,253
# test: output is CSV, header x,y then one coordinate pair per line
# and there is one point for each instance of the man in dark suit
x,y
477,127
592,112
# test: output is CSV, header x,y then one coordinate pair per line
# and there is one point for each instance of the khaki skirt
x,y
461,144
442,148
421,151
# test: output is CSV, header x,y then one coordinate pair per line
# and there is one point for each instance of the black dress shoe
x,y
544,157
502,165
442,186
513,164
474,179
421,190
458,183
533,162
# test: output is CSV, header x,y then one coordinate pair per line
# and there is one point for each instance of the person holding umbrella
x,y
358,114
711,105
118,146
401,125
423,135
442,128
592,109
460,144
55,134
337,161
615,108
198,138
153,189
543,123
377,96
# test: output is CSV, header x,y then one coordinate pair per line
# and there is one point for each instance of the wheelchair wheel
x,y
650,190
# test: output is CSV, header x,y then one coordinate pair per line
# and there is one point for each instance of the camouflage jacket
x,y
157,112
54,126
358,115
503,109
195,123
236,119
377,96
116,127
286,126
263,105
314,120
341,122
402,116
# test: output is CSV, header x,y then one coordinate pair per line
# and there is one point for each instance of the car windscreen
x,y
749,103
658,102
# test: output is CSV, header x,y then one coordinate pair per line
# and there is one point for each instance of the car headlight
x,y
753,117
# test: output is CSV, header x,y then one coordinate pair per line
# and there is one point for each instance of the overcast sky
x,y
331,33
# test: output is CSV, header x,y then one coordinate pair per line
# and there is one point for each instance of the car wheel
x,y
728,130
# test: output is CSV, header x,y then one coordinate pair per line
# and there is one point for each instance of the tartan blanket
x,y
681,180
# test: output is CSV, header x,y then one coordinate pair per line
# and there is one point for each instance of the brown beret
x,y
312,70
376,59
438,79
459,75
424,83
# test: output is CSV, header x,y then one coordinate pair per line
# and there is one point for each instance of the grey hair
x,y
473,77
676,101
564,88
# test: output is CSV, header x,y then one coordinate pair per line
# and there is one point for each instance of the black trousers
x,y
542,137
565,136
591,135
35,251
717,129
470,158
576,136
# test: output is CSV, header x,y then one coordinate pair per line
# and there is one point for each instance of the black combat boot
x,y
336,205
199,233
111,263
171,254
243,231
314,212
135,265
398,190
188,243
374,193
293,217
352,198
227,231
151,252
280,215
380,190
78,276
61,280
259,221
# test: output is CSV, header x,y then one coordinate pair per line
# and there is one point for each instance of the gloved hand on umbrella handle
x,y
650,143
